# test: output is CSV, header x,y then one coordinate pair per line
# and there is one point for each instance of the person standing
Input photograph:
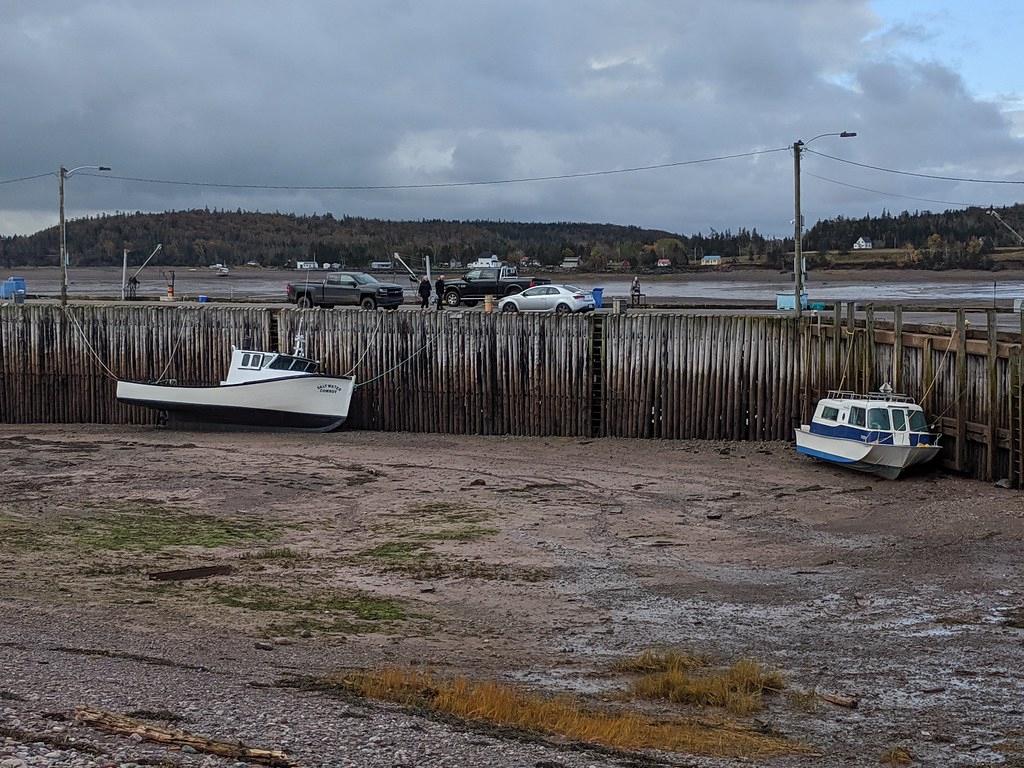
x,y
424,291
634,290
439,290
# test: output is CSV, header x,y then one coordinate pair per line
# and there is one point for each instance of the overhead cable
x,y
892,194
26,178
437,185
914,173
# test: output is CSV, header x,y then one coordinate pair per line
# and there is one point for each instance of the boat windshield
x,y
297,364
878,419
918,423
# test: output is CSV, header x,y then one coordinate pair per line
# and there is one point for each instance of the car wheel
x,y
304,302
509,307
512,290
563,309
368,303
452,298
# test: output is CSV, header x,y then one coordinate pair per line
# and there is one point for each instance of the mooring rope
x,y
942,362
373,336
88,344
397,365
177,342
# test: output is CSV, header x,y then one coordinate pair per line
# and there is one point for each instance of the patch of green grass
x,y
154,527
397,552
439,521
273,553
262,598
128,526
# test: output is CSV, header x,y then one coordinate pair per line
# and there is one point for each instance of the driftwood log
x,y
114,723
850,702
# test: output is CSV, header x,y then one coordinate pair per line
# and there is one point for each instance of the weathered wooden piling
x,y
654,375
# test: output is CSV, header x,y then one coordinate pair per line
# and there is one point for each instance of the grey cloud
x,y
420,92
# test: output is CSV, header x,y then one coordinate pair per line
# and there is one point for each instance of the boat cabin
x,y
247,366
881,418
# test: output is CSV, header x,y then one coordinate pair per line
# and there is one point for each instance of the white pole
x,y
428,269
124,273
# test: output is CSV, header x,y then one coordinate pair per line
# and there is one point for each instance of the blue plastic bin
x,y
598,294
11,286
203,299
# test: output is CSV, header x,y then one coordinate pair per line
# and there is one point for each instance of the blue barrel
x,y
598,294
203,299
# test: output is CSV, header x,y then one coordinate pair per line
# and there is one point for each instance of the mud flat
x,y
541,563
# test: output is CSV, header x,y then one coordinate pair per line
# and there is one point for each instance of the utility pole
x,y
798,228
63,244
64,173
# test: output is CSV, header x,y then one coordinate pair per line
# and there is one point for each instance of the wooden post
x,y
960,390
991,375
927,374
852,365
897,349
869,347
837,345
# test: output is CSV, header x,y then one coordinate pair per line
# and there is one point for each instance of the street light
x,y
798,223
63,174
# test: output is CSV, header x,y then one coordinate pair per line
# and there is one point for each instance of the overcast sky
x,y
386,92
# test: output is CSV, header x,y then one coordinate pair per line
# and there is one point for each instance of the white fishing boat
x,y
881,432
262,389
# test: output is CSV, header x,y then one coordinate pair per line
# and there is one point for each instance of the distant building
x,y
711,260
863,244
664,263
485,260
571,262
306,265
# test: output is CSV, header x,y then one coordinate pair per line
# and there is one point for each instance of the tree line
x,y
202,236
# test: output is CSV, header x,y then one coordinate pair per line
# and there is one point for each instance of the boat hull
x,y
318,403
888,461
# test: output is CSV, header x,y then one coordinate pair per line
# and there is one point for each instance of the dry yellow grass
x,y
738,688
661,661
567,717
897,756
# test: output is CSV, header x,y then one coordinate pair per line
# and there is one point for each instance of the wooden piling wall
x,y
650,375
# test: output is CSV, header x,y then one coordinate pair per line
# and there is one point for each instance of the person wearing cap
x,y
439,290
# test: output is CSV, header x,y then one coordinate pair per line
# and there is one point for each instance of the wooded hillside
x,y
197,237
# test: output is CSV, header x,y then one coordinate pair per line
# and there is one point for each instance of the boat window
x,y
281,363
918,423
899,419
857,416
256,361
830,413
245,360
878,418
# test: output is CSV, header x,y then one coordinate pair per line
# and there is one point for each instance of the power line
x,y
438,185
913,173
892,194
26,178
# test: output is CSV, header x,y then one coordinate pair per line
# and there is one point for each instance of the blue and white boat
x,y
881,432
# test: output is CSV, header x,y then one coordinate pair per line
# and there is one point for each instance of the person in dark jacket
x,y
424,291
439,290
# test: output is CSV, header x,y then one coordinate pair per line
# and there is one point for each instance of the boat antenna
x,y
299,342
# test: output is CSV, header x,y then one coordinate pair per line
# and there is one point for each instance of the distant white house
x,y
484,261
711,260
664,263
571,262
863,244
306,265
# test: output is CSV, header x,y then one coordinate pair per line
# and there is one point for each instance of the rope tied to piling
x,y
88,344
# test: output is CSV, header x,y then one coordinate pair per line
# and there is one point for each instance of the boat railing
x,y
838,394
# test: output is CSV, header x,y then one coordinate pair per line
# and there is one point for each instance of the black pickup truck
x,y
356,289
487,281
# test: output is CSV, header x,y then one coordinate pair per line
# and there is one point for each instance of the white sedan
x,y
562,299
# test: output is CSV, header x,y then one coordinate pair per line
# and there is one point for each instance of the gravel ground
x,y
536,561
